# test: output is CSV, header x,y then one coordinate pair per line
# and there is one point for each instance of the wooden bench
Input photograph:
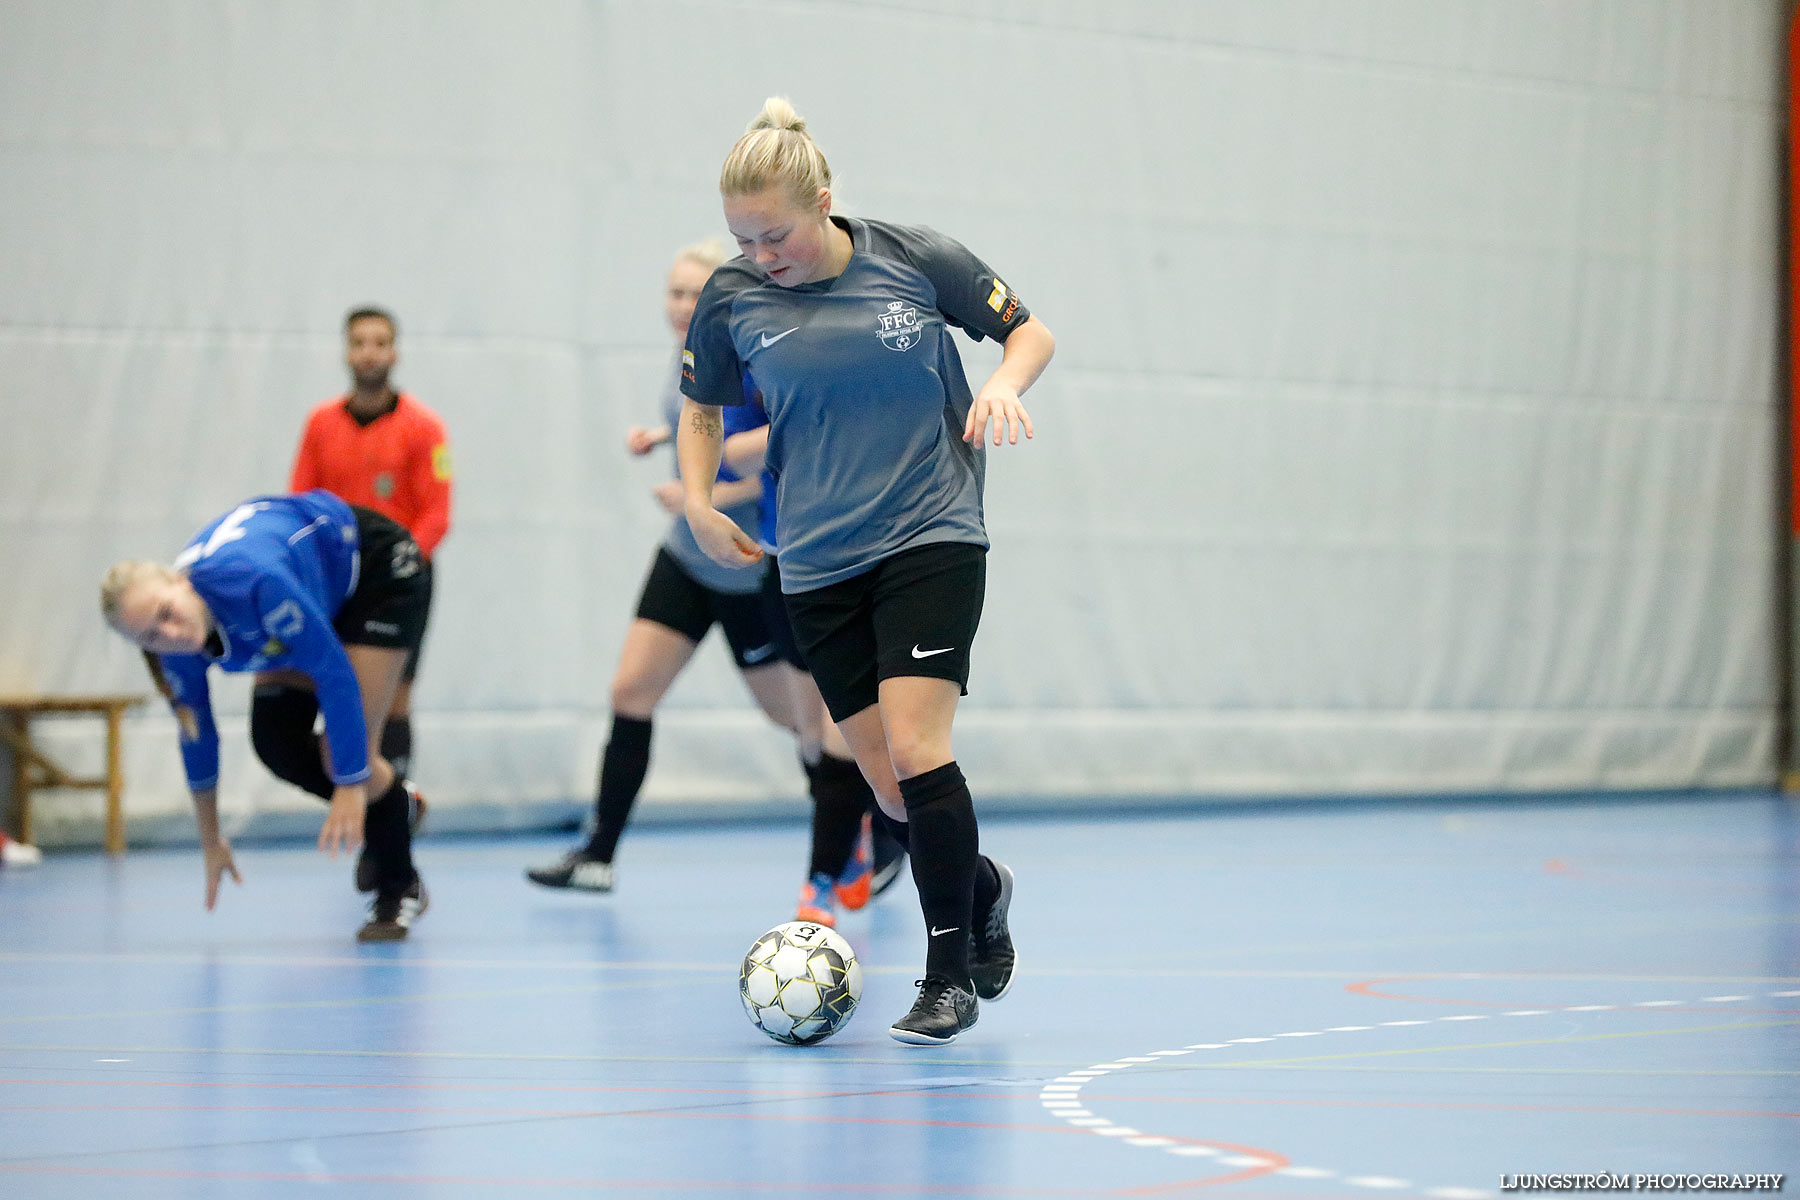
x,y
32,768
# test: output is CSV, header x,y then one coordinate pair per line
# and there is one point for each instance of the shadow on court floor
x,y
1324,1001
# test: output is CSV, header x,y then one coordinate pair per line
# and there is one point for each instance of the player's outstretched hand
x,y
672,496
218,865
344,820
642,441
721,538
1002,405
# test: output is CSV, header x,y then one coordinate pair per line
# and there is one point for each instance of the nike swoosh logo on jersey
x,y
936,932
768,341
918,653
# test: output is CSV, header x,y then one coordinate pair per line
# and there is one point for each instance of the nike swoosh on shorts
x,y
918,653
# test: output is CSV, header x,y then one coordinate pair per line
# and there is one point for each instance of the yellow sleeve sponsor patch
x,y
440,461
998,296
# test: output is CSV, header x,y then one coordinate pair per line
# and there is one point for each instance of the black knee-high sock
x,y
622,769
941,816
898,830
840,797
396,745
987,887
387,830
281,732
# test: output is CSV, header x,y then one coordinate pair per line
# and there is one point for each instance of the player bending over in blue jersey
x,y
876,440
333,598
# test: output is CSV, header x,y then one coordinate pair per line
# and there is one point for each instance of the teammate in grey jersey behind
x,y
878,445
684,595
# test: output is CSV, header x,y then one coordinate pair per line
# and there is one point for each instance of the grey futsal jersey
x,y
679,541
865,393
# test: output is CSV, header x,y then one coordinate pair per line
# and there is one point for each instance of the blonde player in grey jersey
x,y
877,441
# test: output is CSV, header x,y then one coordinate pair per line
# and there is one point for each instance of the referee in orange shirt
x,y
380,449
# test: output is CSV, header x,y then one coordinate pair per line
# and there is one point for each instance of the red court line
x,y
735,1186
678,1115
432,1087
423,1110
731,1186
1274,1163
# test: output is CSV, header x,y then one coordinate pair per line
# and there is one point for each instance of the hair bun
x,y
778,113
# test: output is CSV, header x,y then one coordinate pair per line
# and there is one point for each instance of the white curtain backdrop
x,y
1411,428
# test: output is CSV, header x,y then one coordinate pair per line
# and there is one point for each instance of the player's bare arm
x,y
1027,351
699,448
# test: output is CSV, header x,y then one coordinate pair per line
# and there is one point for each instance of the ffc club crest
x,y
899,326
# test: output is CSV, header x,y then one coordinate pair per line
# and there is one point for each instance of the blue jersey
x,y
273,572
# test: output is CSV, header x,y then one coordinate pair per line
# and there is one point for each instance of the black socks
x,y
387,831
281,732
840,797
622,769
900,831
941,829
396,745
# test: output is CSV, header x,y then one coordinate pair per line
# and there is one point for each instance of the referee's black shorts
x,y
392,598
913,614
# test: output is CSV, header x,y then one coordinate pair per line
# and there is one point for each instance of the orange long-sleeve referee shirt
x,y
398,464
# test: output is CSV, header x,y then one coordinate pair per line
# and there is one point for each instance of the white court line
x,y
1059,1098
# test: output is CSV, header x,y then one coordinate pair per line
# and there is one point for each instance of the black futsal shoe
x,y
942,1011
578,870
391,917
991,957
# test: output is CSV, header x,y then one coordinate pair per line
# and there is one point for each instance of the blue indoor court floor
x,y
1266,1001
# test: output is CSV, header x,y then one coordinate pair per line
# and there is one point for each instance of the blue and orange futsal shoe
x,y
853,886
818,902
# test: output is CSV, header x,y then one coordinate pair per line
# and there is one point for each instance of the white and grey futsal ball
x,y
800,983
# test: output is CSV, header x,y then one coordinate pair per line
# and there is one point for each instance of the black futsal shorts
x,y
912,614
676,600
392,598
781,626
